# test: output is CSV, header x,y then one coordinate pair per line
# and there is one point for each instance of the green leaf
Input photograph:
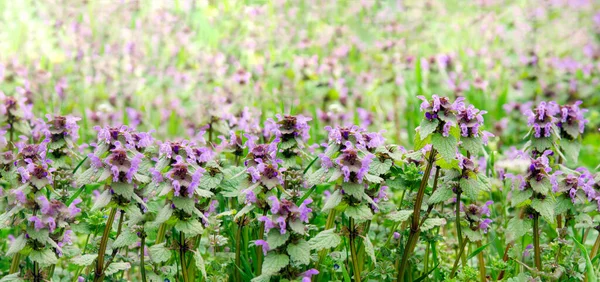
x,y
441,194
541,144
325,240
44,257
563,204
471,144
446,146
427,127
86,177
185,204
209,182
116,267
12,278
473,236
369,249
520,198
317,177
420,143
123,189
333,201
471,187
360,212
84,260
355,190
273,263
543,187
399,216
571,129
125,239
570,149
545,208
246,209
163,215
39,235
432,222
516,229
102,201
584,221
158,253
200,263
17,245
299,252
479,250
190,227
275,239
589,267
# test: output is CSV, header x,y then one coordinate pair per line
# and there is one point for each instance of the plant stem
x,y
36,272
160,236
182,256
14,265
413,237
102,249
480,258
457,222
458,258
355,263
259,254
323,253
536,241
142,255
595,247
238,254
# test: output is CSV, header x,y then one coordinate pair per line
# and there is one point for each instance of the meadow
x,y
351,140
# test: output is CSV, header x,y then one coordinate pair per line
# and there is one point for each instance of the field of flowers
x,y
302,140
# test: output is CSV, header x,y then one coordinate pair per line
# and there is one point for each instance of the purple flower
x,y
542,118
291,127
37,222
304,210
263,244
306,276
268,175
73,209
571,116
274,204
485,224
527,251
268,222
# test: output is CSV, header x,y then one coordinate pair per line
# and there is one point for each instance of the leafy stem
x,y
355,262
102,249
536,241
458,257
413,237
142,259
182,247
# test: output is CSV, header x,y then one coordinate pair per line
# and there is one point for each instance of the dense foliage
x,y
234,141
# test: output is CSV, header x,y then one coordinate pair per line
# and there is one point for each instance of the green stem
x,y
142,256
323,253
457,222
14,265
238,249
160,236
36,272
102,249
355,262
413,237
536,241
182,256
482,274
458,258
259,253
